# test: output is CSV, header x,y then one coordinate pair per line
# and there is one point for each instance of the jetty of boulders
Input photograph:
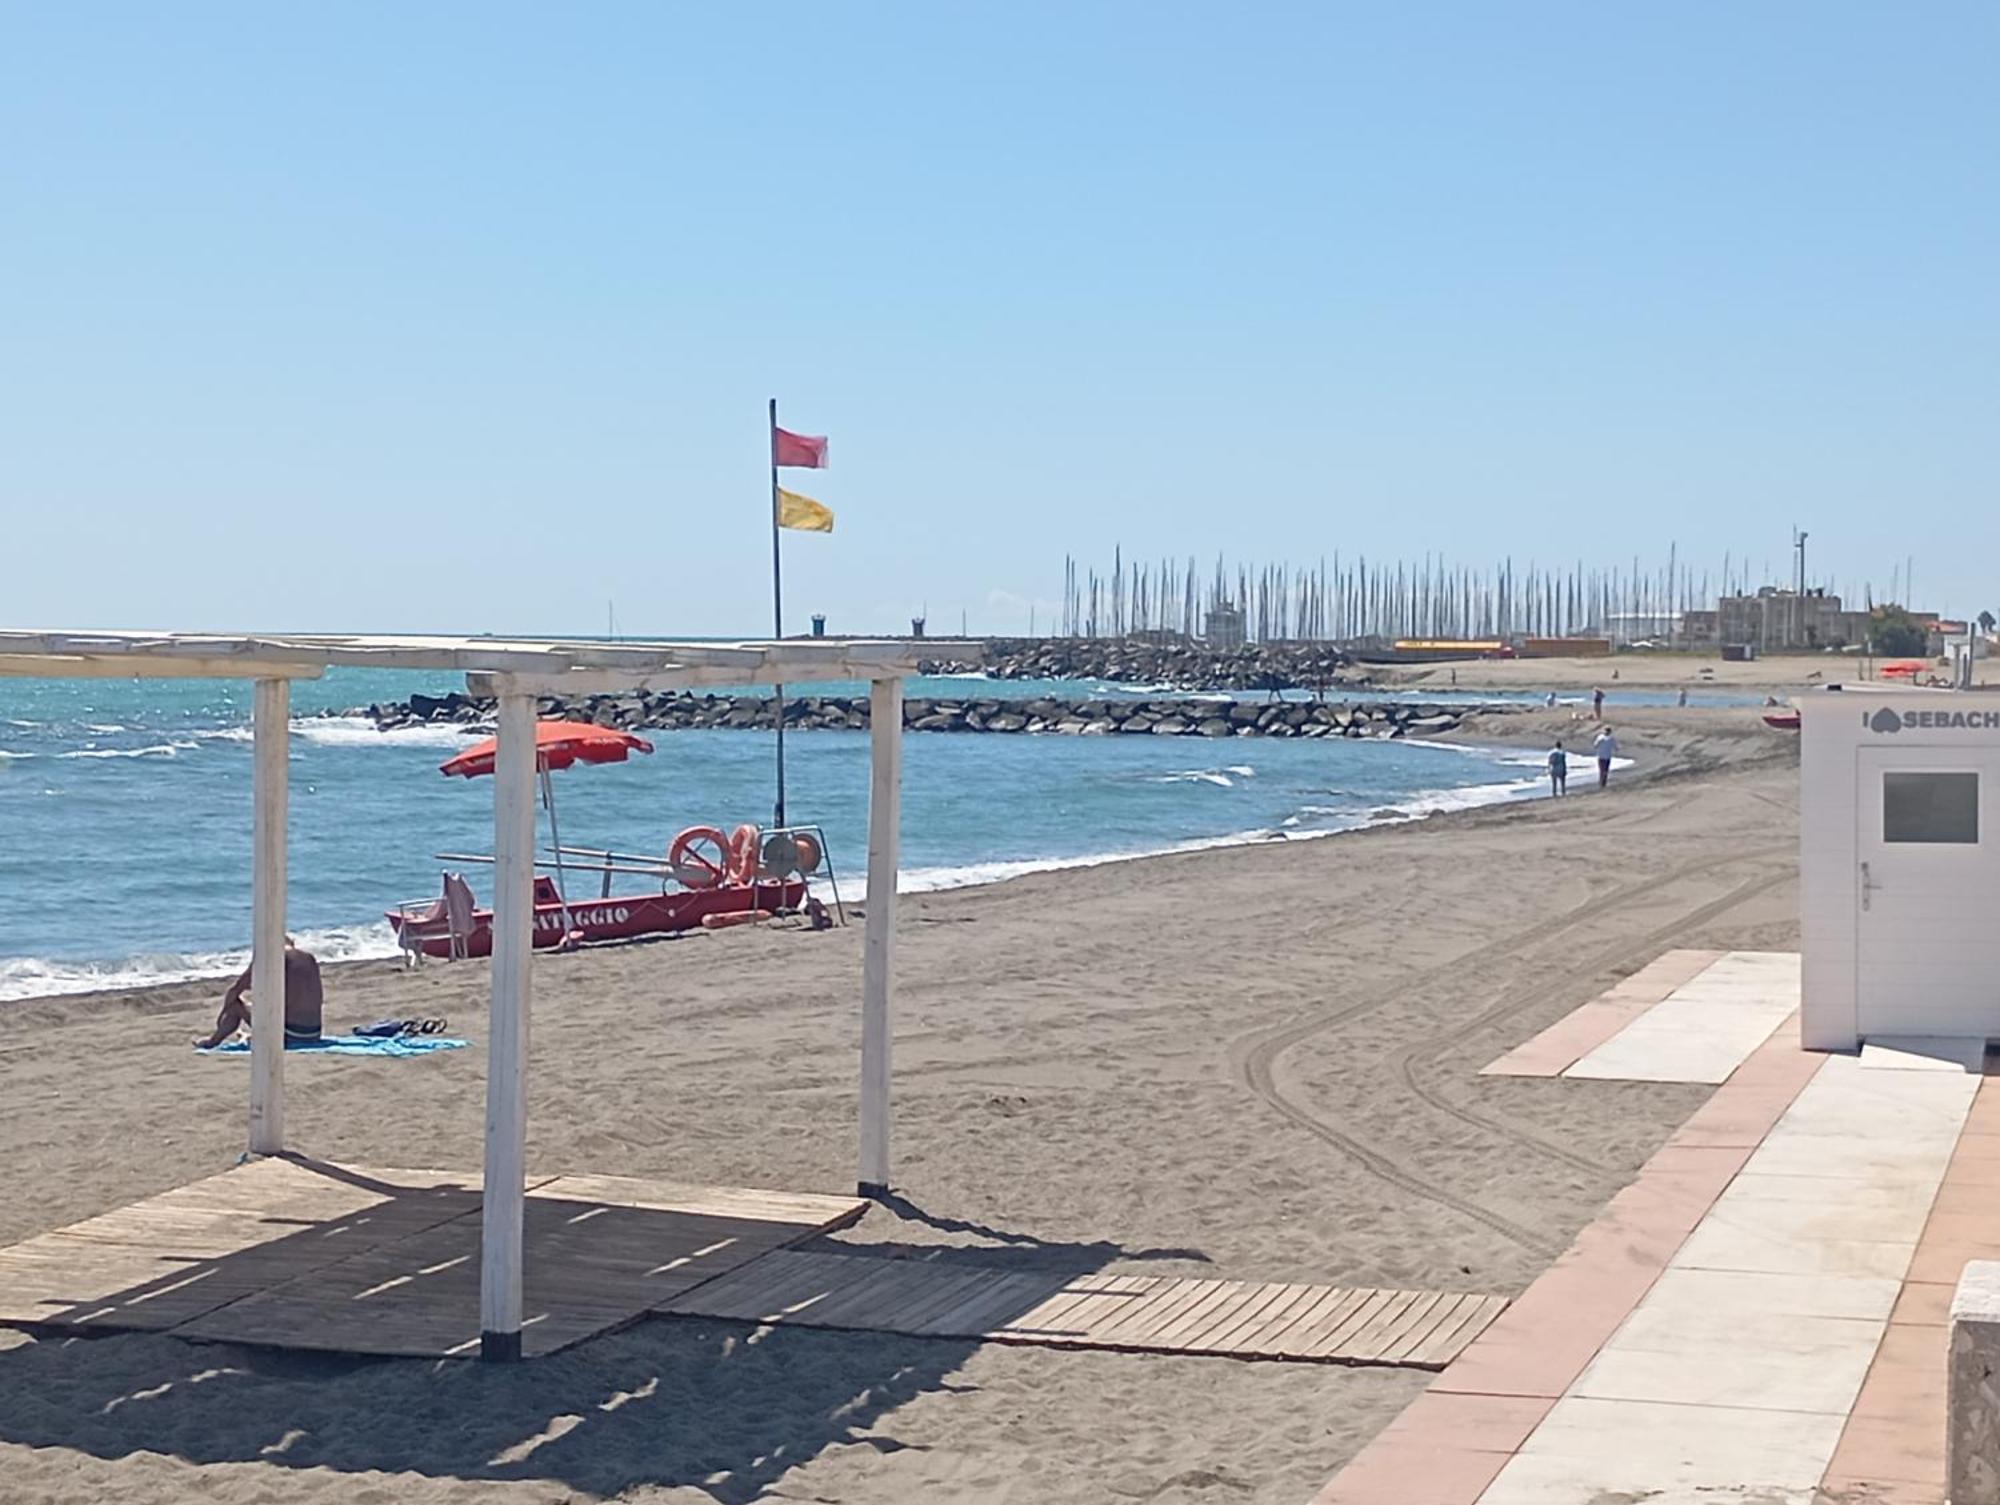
x,y
1177,664
1264,716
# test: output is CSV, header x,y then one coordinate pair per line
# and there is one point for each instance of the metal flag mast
x,y
777,613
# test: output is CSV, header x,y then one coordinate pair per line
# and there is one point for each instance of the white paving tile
x,y
1793,1152
1896,1193
1704,1029
1717,1247
1824,1378
1798,1219
1587,1451
1722,1297
1924,1053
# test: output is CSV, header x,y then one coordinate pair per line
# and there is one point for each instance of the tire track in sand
x,y
1523,996
1260,1049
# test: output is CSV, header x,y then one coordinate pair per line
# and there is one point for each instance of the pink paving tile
x,y
1475,1423
1961,1196
1950,1239
1923,1303
1567,1041
1985,1115
1413,1471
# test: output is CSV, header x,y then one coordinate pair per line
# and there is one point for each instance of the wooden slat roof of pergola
x,y
542,665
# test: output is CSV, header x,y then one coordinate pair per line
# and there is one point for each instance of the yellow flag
x,y
796,511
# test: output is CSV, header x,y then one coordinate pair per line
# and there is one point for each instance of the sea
x,y
125,811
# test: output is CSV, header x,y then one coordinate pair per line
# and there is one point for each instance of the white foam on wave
x,y
359,731
1412,807
18,757
1213,776
157,750
920,880
43,977
102,726
1514,757
17,721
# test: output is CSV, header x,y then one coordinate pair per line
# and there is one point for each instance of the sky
x,y
463,317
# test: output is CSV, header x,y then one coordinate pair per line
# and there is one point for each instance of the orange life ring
x,y
695,868
744,853
809,852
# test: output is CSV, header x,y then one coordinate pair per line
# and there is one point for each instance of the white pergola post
x,y
885,713
507,1024
271,731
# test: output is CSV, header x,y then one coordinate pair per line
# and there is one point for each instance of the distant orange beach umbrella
x,y
558,744
1910,667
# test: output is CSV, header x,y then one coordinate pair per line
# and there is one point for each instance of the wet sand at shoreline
x,y
1254,1063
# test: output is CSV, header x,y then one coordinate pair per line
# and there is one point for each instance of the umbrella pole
x,y
555,836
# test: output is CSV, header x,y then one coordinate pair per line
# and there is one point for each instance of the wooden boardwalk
x,y
303,1254
1132,1313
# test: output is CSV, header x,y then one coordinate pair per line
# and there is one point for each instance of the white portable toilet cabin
x,y
1899,865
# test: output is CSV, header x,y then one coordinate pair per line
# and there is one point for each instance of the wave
x,y
104,726
43,977
18,757
359,731
1513,757
1416,806
1213,776
157,750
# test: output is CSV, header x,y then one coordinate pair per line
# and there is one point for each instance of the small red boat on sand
x,y
707,879
427,928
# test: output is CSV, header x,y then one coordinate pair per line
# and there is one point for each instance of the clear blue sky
x,y
463,316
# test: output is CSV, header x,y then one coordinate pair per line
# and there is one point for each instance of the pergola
x,y
514,672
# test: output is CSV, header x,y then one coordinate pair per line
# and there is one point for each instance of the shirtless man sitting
x,y
303,999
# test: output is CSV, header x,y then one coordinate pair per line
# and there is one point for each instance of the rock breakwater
x,y
1065,716
1179,665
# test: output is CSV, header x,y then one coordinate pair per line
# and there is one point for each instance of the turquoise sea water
x,y
125,810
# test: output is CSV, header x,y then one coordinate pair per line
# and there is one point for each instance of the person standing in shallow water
x,y
1606,748
1558,769
1597,704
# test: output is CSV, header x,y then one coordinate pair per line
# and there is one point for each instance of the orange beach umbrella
x,y
558,744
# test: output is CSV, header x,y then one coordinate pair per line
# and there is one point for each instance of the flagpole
x,y
777,610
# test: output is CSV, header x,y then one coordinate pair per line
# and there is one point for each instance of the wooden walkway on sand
x,y
1131,1313
294,1253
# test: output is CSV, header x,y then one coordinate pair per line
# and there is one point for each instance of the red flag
x,y
801,450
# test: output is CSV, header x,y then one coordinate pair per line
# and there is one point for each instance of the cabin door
x,y
1927,893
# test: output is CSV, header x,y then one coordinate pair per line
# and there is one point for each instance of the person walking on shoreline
x,y
1558,770
1606,748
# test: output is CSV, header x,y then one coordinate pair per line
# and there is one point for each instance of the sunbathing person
x,y
303,1000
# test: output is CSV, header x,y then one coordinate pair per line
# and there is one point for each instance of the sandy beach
x,y
1256,1062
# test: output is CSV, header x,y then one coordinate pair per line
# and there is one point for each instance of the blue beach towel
x,y
351,1045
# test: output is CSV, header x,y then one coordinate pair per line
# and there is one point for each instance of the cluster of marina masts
x,y
1347,599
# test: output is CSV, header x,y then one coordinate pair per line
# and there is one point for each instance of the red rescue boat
x,y
620,917
705,873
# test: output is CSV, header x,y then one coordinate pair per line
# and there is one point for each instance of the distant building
x,y
1700,629
1224,628
1783,621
